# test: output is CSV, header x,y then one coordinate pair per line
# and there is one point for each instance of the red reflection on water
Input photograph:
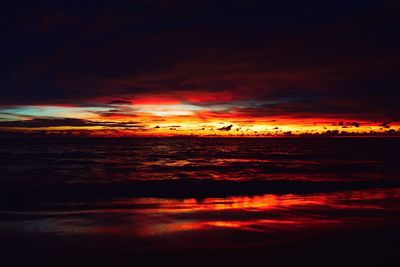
x,y
259,213
211,221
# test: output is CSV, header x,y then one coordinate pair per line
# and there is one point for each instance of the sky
x,y
204,68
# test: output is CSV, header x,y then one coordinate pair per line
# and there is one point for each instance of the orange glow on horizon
x,y
168,117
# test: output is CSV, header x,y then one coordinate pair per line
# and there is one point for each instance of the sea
x,y
187,200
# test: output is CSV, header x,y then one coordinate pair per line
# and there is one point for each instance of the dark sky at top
x,y
313,58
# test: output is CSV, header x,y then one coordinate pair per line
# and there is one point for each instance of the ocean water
x,y
41,161
173,195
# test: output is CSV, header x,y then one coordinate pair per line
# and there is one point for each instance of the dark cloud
x,y
116,111
67,122
225,128
336,58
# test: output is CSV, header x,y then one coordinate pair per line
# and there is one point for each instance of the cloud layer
x,y
227,59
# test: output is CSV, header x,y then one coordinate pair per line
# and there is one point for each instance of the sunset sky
x,y
166,68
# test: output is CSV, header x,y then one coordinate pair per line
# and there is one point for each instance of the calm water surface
x,y
116,160
90,173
